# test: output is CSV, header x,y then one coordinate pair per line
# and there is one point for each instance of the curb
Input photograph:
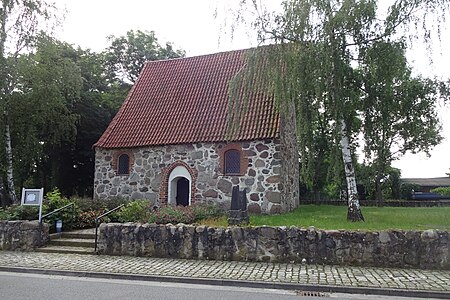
x,y
237,283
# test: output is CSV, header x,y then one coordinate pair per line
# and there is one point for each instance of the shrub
x,y
89,209
52,201
135,211
86,204
186,215
3,214
172,214
205,211
18,212
332,191
406,190
81,215
112,203
86,210
444,191
86,219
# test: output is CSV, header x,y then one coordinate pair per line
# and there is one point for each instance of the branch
x,y
388,31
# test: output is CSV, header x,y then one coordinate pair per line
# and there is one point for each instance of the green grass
x,y
334,217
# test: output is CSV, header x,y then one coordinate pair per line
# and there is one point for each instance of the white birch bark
x,y
9,164
354,210
3,91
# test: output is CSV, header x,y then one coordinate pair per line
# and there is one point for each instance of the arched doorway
x,y
182,196
179,187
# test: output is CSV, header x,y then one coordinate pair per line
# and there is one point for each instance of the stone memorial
x,y
238,213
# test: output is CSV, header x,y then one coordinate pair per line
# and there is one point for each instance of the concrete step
x,y
66,249
78,242
72,242
72,235
76,234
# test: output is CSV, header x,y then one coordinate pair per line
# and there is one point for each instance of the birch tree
x,y
315,65
19,24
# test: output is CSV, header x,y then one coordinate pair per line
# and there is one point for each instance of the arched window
x,y
232,162
123,164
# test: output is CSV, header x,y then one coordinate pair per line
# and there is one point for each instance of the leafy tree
x,y
101,95
66,161
126,55
406,190
314,69
58,100
106,82
97,105
42,118
398,111
390,184
19,24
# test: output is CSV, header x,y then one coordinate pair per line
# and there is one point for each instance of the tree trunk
x,y
9,163
354,213
3,90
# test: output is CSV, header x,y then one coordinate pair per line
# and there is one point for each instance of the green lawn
x,y
334,217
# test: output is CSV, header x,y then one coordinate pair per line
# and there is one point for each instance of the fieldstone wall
x,y
22,235
269,191
416,249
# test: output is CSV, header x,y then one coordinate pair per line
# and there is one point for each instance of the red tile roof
x,y
186,101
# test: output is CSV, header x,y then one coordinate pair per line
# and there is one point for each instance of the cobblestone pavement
x,y
409,279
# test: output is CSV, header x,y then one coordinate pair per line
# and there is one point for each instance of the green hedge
x,y
444,191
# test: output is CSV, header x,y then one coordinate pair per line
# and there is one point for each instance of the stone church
x,y
170,141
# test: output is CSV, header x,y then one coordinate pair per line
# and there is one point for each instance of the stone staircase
x,y
75,242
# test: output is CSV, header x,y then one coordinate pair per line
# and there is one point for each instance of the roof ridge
x,y
197,56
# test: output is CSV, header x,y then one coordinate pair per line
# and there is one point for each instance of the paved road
x,y
268,275
35,286
32,286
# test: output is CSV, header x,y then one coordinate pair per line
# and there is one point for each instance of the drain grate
x,y
312,294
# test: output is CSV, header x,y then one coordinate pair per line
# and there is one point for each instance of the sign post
x,y
33,197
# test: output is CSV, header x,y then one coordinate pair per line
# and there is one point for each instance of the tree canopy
x,y
398,112
57,99
48,86
344,68
127,54
20,21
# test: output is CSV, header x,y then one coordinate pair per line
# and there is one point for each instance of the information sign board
x,y
33,197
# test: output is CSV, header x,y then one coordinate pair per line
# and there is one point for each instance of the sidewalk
x,y
400,282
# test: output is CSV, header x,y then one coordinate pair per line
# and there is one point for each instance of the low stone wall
x,y
22,235
416,249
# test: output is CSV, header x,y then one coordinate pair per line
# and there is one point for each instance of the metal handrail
x,y
97,223
56,210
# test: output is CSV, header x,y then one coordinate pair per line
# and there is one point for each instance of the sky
x,y
192,26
